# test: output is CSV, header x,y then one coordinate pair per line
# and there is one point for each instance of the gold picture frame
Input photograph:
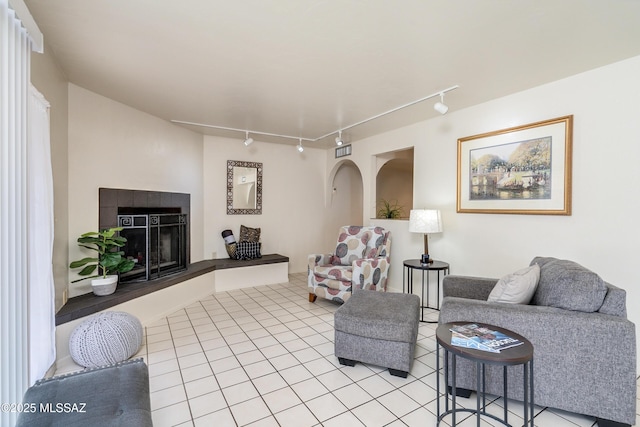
x,y
520,170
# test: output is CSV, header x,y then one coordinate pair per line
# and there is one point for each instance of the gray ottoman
x,y
378,328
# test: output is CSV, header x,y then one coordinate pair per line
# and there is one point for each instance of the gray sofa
x,y
584,346
110,396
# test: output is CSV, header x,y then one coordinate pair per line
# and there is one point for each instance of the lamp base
x,y
425,259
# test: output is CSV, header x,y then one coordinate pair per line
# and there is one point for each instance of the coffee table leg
x,y
504,379
526,394
453,389
531,381
438,379
479,374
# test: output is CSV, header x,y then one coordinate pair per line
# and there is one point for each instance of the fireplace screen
x,y
156,243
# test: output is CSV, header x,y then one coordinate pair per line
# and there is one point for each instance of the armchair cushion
x,y
518,287
352,242
566,284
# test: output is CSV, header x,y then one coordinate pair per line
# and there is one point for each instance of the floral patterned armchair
x,y
361,261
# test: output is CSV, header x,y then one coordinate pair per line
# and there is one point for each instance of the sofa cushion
x,y
568,285
518,287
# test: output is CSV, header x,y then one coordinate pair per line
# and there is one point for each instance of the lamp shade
x,y
425,221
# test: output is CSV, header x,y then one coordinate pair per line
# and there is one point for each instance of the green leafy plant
x,y
389,209
110,260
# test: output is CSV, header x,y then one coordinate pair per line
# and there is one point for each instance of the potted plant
x,y
389,209
109,262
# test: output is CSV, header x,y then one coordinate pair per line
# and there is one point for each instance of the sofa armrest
x,y
477,288
371,273
615,301
573,351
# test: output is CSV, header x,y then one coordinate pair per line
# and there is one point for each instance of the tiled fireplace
x,y
156,227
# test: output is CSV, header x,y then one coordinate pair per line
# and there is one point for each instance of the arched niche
x,y
346,194
394,181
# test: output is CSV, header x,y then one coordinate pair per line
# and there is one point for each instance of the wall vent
x,y
343,151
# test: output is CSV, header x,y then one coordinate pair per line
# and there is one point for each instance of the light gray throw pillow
x,y
518,287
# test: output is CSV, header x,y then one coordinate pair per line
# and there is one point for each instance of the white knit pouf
x,y
105,338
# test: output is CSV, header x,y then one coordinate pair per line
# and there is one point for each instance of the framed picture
x,y
520,170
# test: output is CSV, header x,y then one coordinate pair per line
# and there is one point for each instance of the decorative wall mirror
x,y
244,188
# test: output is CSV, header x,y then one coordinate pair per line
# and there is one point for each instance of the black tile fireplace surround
x,y
114,202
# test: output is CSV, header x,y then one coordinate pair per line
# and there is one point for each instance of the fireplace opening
x,y
156,242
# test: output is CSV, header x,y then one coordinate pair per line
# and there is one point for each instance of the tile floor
x,y
263,356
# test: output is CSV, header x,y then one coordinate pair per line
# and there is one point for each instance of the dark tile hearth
x,y
88,304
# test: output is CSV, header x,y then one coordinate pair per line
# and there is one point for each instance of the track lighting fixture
x,y
440,107
247,140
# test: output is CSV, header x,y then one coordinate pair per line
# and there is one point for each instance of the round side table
x,y
407,277
519,355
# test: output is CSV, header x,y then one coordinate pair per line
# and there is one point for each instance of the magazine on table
x,y
481,338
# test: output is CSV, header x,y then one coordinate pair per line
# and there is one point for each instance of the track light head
x,y
339,140
300,147
440,107
247,140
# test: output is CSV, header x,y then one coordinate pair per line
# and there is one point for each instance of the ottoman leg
x,y
347,362
312,297
397,373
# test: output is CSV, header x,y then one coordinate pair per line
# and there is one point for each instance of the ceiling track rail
x,y
337,131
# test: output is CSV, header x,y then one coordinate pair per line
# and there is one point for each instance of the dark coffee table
x,y
520,355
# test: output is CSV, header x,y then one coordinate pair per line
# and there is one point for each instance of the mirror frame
x,y
238,163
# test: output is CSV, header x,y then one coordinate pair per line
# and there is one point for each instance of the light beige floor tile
x,y
298,416
167,397
171,416
250,411
201,386
310,389
207,403
240,392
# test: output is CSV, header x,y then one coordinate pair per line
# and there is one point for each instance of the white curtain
x,y
42,322
15,54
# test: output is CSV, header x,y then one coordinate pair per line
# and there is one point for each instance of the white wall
x,y
115,146
293,213
601,234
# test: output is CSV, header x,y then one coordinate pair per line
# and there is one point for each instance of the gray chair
x,y
584,346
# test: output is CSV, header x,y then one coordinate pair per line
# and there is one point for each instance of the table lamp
x,y
425,221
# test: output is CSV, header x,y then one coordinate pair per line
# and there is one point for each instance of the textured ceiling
x,y
307,68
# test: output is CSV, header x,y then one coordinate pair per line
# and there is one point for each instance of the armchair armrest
x,y
318,259
477,288
371,273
